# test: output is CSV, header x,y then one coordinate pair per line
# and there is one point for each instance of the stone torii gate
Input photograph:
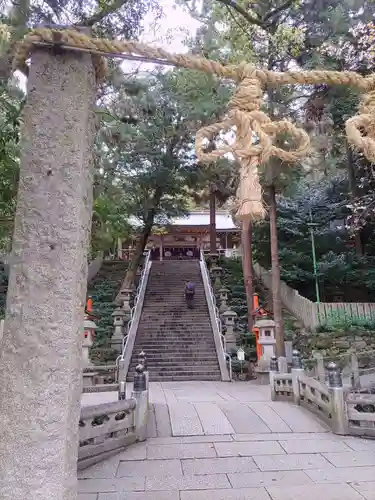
x,y
40,354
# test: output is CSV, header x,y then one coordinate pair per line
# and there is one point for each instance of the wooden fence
x,y
311,314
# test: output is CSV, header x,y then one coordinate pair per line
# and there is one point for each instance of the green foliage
x,y
233,280
103,290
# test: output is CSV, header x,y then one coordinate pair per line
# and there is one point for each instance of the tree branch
x,y
276,11
99,16
249,18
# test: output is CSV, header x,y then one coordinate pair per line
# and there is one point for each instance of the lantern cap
x,y
89,325
230,314
119,311
265,323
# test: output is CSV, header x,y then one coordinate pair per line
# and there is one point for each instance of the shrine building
x,y
185,237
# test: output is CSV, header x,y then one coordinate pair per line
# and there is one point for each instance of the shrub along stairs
x,y
178,341
103,289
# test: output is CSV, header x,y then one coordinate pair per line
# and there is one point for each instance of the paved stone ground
x,y
221,441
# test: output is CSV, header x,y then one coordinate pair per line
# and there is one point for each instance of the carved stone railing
x,y
108,428
216,325
100,378
129,339
361,414
345,411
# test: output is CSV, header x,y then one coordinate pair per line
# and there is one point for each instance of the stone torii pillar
x,y
41,350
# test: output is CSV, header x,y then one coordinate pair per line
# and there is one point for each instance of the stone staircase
x,y
178,341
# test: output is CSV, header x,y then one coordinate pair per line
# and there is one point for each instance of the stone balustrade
x,y
109,428
344,411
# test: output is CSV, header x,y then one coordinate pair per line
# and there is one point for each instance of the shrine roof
x,y
198,219
223,220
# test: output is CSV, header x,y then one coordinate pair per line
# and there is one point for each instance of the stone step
x,y
214,376
181,358
170,366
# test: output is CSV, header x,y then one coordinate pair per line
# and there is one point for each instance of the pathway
x,y
221,441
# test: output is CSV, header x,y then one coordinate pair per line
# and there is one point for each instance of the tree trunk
x,y
354,194
276,292
41,349
247,269
142,242
213,223
137,256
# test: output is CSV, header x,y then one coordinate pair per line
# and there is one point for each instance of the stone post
x,y
229,323
142,360
355,377
121,380
140,393
339,416
223,300
297,371
216,272
124,298
41,351
319,369
118,316
274,367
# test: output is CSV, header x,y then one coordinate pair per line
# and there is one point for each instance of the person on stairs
x,y
189,294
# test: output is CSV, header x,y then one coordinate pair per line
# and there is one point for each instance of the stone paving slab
x,y
213,419
358,444
248,449
195,450
314,446
217,438
258,479
145,468
242,494
185,420
103,470
163,422
353,459
367,490
297,418
111,485
141,495
151,423
273,421
218,465
291,462
313,492
280,436
342,475
242,418
87,496
180,483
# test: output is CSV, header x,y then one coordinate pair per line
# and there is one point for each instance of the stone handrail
x,y
216,325
345,412
108,428
136,312
361,414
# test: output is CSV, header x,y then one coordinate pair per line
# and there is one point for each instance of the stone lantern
x,y
267,339
213,259
88,338
229,318
223,300
266,344
216,272
124,298
118,316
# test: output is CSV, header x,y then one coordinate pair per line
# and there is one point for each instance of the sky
x,y
169,33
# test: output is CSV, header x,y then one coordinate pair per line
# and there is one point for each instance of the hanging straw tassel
x,y
249,192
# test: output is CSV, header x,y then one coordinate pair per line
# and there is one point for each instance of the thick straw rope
x,y
243,111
